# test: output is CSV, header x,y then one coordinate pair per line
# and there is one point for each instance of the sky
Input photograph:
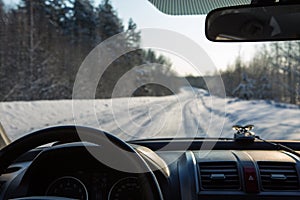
x,y
145,15
222,54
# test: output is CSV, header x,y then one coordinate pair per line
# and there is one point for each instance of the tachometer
x,y
126,188
69,187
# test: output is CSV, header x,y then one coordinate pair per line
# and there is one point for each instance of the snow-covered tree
x,y
263,92
245,89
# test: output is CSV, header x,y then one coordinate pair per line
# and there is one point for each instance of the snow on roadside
x,y
185,115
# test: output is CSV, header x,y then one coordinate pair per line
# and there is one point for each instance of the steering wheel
x,y
67,134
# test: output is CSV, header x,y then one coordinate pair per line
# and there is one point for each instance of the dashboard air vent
x,y
219,175
278,176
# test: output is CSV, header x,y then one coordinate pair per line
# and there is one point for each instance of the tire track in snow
x,y
213,119
142,124
191,123
174,118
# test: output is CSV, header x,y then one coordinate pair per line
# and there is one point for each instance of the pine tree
x,y
108,22
245,89
84,21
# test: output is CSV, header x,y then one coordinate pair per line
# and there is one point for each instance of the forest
x,y
272,74
43,43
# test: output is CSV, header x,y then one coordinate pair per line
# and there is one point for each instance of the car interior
x,y
82,162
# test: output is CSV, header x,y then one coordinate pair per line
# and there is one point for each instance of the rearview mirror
x,y
259,23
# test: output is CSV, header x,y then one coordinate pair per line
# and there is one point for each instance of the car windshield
x,y
127,68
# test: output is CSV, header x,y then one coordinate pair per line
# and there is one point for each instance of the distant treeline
x,y
44,42
272,74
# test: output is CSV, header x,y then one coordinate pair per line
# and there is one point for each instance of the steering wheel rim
x,y
67,134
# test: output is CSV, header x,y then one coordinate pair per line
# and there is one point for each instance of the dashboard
x,y
70,171
230,170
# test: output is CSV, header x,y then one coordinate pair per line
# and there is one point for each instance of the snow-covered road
x,y
192,113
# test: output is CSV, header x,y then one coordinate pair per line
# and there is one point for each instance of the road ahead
x,y
192,113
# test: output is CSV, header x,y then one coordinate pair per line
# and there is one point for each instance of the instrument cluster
x,y
94,185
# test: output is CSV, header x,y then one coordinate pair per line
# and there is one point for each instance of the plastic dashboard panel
x,y
187,170
186,175
189,177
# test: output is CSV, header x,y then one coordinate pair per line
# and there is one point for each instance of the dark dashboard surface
x,y
230,170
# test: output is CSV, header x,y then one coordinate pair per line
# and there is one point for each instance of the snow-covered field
x,y
192,113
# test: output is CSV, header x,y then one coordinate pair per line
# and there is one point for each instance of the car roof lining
x,y
193,7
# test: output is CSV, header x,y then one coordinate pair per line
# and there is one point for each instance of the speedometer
x,y
126,188
69,187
